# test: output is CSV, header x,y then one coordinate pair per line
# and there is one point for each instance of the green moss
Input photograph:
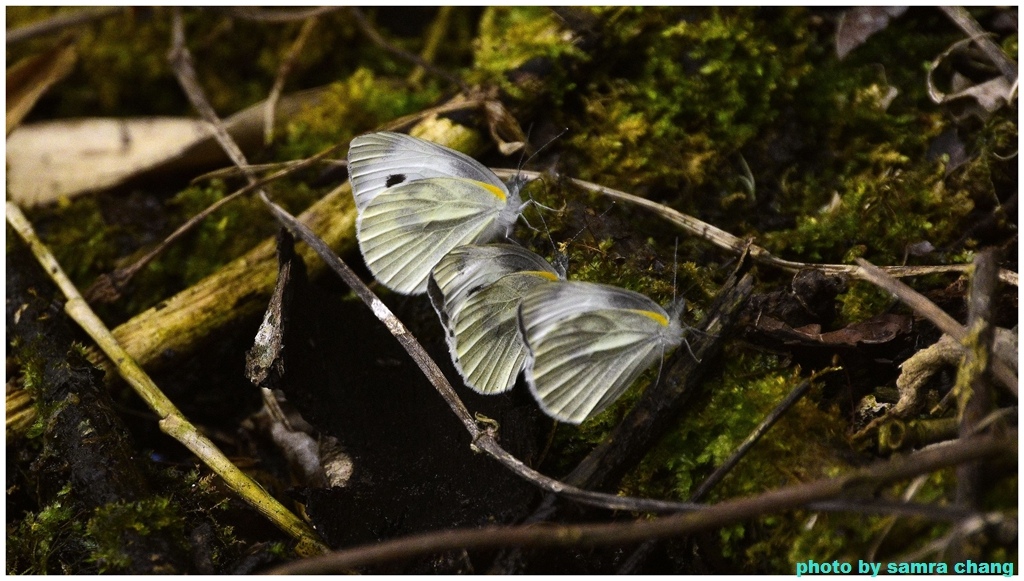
x,y
848,537
884,204
49,541
510,37
862,301
360,102
735,403
123,68
680,92
79,236
110,522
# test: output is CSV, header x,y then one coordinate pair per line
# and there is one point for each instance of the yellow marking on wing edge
x,y
661,319
491,188
543,274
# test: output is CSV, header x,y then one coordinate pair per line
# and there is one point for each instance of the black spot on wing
x,y
394,179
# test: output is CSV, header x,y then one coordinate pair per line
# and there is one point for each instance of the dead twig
x,y
233,171
927,309
895,508
108,287
61,22
1007,67
171,422
181,62
738,246
712,517
287,64
278,14
483,439
972,385
376,38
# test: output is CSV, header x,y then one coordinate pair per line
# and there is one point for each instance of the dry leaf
x,y
879,329
857,24
30,77
968,98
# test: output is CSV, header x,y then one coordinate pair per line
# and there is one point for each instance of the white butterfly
x,y
476,290
588,342
417,200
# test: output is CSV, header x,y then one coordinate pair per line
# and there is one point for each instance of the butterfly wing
x,y
377,161
476,291
469,268
587,344
406,230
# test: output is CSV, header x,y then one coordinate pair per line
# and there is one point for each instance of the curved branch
x,y
483,439
715,516
738,246
1001,370
278,14
60,22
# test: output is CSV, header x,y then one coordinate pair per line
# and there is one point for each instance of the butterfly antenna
x,y
690,350
522,154
523,164
675,269
661,367
541,148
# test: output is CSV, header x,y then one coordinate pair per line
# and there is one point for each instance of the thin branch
x,y
927,309
1007,67
60,22
972,385
712,517
483,439
233,171
287,64
738,246
278,14
108,287
171,422
895,508
453,106
376,38
435,36
181,62
794,396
